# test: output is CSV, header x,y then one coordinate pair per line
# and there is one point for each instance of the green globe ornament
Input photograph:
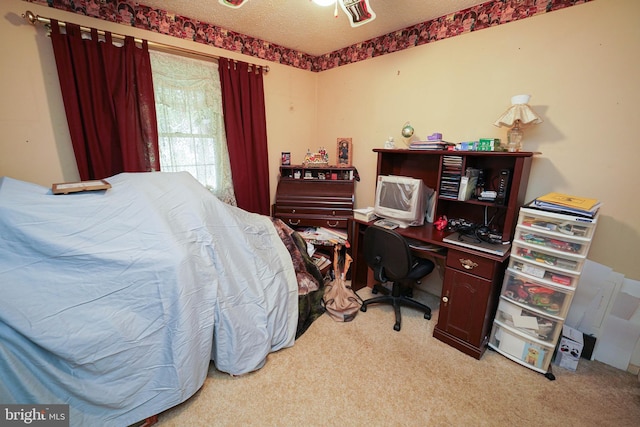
x,y
407,130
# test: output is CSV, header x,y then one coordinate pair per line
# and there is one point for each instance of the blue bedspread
x,y
115,301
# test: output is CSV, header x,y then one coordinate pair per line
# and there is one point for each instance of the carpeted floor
x,y
364,373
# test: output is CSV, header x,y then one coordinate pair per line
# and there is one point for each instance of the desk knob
x,y
445,300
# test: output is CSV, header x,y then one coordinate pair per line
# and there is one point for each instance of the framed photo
x,y
286,158
344,152
74,187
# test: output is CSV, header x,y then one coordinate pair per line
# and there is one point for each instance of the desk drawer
x,y
337,211
314,221
471,263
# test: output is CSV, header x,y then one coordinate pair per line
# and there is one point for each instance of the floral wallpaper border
x,y
485,15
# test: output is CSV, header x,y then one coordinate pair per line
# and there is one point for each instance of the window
x,y
191,135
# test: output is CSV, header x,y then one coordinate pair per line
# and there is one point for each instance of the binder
x,y
575,202
564,203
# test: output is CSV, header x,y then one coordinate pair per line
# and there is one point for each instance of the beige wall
x,y
579,64
35,145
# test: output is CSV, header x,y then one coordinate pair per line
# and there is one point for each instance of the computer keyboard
x,y
385,223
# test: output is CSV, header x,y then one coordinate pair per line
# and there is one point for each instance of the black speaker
x,y
502,189
479,184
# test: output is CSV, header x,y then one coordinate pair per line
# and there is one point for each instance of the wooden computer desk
x,y
472,279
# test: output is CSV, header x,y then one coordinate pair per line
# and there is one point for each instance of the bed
x,y
116,301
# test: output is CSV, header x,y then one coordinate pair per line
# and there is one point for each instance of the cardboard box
x,y
569,348
489,144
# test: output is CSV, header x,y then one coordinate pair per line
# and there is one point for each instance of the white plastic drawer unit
x,y
544,274
564,225
547,258
537,294
521,348
544,328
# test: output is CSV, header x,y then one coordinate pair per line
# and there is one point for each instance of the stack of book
x,y
566,204
431,145
324,236
450,178
333,234
321,261
364,214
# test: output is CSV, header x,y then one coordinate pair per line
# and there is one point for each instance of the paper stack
x,y
364,214
564,203
321,261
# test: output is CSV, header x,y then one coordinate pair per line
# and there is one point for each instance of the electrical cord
x,y
479,233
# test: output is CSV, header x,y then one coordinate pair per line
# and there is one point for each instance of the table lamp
x,y
520,113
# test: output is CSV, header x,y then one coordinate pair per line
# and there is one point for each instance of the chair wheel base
x,y
397,299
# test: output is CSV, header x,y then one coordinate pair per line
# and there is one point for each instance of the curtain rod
x,y
34,19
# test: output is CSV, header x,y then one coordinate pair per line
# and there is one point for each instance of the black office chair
x,y
389,256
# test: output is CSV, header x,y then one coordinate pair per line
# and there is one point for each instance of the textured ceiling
x,y
306,27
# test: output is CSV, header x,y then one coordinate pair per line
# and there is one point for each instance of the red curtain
x,y
109,102
246,129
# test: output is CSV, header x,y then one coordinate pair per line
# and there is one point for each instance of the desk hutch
x,y
472,278
315,196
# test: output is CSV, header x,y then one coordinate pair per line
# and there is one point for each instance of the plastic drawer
x,y
544,274
531,353
529,322
527,291
567,225
552,241
547,258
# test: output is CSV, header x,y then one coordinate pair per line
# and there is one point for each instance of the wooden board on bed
x,y
74,187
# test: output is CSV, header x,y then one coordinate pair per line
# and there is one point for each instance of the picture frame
x,y
344,152
74,187
285,158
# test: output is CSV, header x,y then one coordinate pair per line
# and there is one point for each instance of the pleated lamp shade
x,y
520,113
519,110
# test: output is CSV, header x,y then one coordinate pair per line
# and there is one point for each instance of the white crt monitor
x,y
401,199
